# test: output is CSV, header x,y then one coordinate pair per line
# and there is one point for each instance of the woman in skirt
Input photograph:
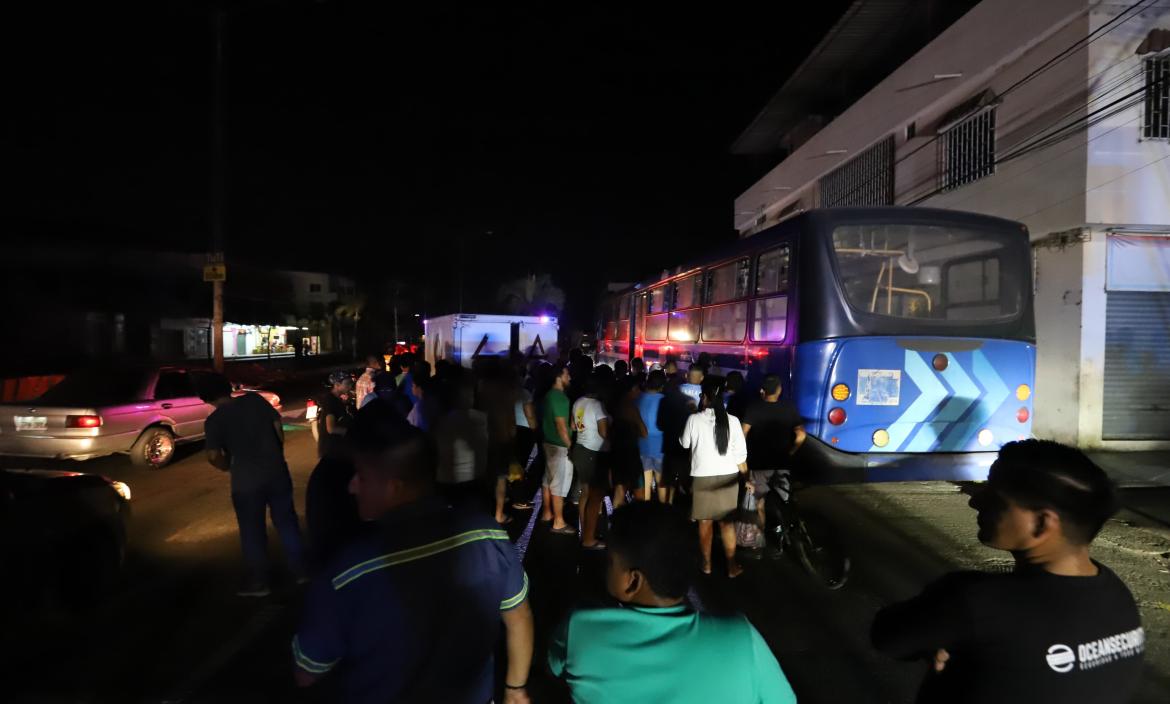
x,y
718,457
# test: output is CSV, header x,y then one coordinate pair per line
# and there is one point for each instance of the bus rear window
x,y
929,272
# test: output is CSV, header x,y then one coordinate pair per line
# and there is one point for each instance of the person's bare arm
x,y
563,431
530,414
642,431
219,459
518,627
746,428
801,436
332,426
603,427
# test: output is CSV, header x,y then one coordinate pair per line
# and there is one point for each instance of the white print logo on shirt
x,y
1061,658
1096,653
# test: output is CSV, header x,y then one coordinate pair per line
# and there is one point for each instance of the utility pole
x,y
217,215
397,286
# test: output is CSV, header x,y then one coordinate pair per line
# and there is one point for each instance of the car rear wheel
x,y
155,449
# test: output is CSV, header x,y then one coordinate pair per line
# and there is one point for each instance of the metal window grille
x,y
1156,121
966,151
866,179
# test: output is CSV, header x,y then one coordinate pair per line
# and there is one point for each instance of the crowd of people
x,y
415,580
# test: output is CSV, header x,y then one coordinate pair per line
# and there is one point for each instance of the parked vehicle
x,y
62,534
142,412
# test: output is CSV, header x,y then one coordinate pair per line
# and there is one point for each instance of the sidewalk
x,y
1136,469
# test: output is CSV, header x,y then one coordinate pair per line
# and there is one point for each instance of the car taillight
x,y
275,400
310,404
83,421
837,416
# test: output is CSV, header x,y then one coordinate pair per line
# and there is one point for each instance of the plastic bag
x,y
747,531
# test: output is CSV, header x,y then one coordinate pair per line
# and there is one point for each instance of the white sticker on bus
x,y
879,387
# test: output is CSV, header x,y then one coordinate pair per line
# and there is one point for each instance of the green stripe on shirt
x,y
416,553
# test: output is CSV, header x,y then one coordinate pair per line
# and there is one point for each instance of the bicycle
x,y
810,537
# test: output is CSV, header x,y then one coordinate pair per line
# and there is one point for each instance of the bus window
x,y
610,321
624,308
656,300
725,323
772,272
684,325
640,317
898,271
728,282
656,327
771,319
973,289
686,292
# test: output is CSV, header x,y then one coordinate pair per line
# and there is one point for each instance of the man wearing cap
x,y
411,611
1061,627
333,417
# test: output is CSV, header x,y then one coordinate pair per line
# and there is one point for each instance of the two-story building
x,y
1055,114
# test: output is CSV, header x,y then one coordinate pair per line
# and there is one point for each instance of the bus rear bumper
x,y
821,464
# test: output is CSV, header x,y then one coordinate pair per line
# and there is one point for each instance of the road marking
x,y
207,669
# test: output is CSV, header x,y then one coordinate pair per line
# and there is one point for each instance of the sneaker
x,y
254,590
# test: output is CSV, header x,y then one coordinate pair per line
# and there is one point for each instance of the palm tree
x,y
535,294
352,307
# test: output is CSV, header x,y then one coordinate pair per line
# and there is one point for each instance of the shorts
x,y
652,464
558,473
761,480
589,467
676,469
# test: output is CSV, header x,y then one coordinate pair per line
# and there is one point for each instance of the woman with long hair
x,y
718,457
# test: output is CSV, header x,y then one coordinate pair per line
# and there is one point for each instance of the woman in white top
x,y
718,457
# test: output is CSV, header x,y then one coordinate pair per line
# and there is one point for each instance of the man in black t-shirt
x,y
774,432
245,437
334,415
1060,628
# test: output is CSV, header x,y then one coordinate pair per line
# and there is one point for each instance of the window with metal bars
x,y
966,151
1156,121
866,179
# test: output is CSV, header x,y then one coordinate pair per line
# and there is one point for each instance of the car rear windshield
x,y
97,387
931,272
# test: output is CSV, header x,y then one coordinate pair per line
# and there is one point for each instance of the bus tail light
x,y
1022,415
940,362
1023,392
881,438
837,416
841,392
986,437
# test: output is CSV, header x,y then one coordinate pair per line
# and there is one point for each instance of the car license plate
x,y
311,413
31,422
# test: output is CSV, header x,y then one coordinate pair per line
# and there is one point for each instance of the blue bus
x,y
905,335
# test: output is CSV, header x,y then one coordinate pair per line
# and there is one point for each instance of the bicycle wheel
x,y
818,549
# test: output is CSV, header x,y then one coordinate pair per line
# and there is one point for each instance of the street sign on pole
x,y
215,272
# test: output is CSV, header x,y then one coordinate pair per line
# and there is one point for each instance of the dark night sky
x,y
366,138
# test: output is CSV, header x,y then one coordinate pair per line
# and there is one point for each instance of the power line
x,y
1068,51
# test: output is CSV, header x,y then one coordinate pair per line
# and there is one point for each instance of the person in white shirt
x,y
718,458
588,455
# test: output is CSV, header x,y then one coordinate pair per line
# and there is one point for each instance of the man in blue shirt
x,y
412,612
650,447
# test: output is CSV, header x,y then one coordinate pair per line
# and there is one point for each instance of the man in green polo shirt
x,y
653,647
558,475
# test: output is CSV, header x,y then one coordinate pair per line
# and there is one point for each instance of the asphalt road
x,y
174,631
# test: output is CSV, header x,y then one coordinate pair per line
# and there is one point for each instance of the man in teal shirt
x,y
653,646
558,475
